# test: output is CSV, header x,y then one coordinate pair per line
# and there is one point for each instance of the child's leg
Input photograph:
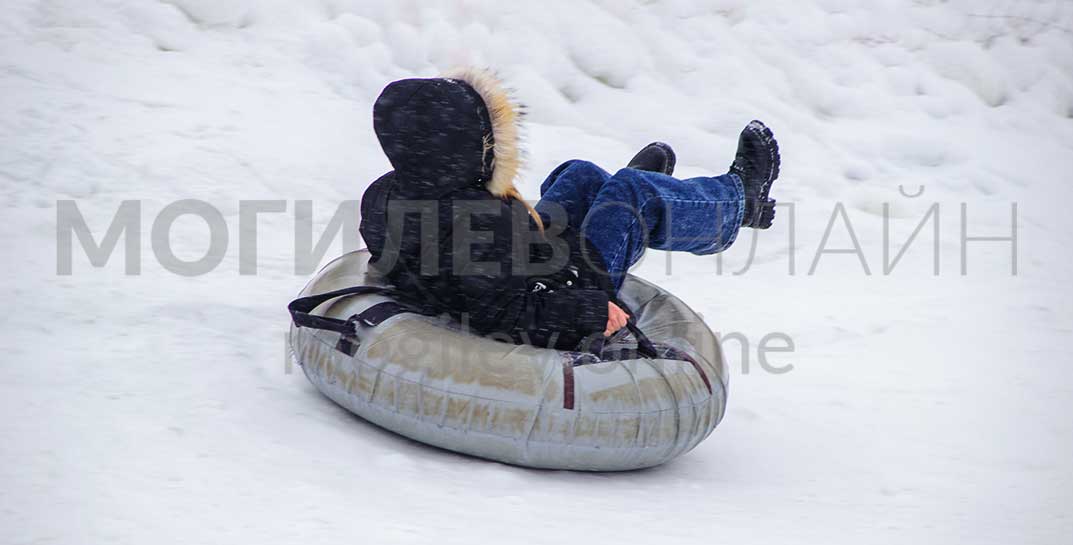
x,y
571,188
635,209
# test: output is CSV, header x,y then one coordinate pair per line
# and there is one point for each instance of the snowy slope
x,y
158,408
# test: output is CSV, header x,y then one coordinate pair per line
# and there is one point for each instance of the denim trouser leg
x,y
624,213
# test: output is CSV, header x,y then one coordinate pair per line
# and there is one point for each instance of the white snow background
x,y
157,408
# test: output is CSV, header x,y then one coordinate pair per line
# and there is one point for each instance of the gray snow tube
x,y
427,379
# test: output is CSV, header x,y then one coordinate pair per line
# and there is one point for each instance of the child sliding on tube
x,y
448,228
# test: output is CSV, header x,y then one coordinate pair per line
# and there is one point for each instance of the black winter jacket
x,y
447,228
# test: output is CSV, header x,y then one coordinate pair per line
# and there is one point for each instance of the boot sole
x,y
768,139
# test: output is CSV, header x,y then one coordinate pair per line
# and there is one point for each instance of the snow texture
x,y
920,408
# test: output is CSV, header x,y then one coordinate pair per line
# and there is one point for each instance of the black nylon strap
x,y
644,344
645,347
300,308
376,314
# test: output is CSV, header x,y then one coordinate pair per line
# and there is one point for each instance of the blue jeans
x,y
624,213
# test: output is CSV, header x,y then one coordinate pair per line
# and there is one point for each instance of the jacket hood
x,y
458,130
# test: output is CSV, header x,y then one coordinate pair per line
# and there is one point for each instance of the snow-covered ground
x,y
155,407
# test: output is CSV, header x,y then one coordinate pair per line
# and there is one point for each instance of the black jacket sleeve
x,y
568,312
555,319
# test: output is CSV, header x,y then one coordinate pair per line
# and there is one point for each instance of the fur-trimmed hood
x,y
446,133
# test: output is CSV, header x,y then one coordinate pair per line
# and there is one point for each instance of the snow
x,y
919,407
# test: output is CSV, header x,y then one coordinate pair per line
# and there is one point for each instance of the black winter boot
x,y
757,164
655,157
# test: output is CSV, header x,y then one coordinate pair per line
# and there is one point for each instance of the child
x,y
451,232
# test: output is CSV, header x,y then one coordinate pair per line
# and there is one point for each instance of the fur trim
x,y
506,120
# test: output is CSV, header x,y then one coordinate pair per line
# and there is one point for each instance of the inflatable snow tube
x,y
425,378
